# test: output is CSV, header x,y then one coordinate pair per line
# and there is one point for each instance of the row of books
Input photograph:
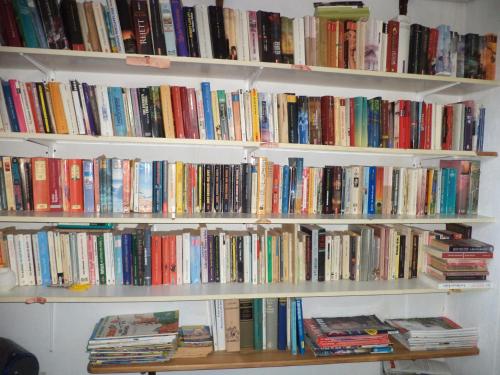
x,y
260,256
260,324
134,339
106,185
164,27
180,112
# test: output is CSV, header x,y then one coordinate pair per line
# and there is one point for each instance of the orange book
x,y
156,259
340,44
236,115
165,259
74,174
379,189
167,111
172,252
40,178
58,107
126,185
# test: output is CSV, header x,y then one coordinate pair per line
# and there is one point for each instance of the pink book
x,y
90,254
15,91
193,115
126,186
253,36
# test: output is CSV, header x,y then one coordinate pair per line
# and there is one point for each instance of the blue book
x,y
366,184
115,96
16,182
265,133
303,119
282,329
293,326
37,24
286,189
88,107
443,63
117,184
25,23
105,185
164,184
43,248
451,193
300,327
157,186
113,42
444,191
480,129
88,186
168,27
147,256
127,258
180,34
11,110
118,255
371,190
145,191
207,110
195,257
376,123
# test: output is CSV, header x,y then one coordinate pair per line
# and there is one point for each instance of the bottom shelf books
x,y
417,367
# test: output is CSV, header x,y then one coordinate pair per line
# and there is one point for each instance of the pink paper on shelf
x,y
152,61
305,68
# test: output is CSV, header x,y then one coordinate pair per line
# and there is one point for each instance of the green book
x,y
257,324
269,259
101,259
224,125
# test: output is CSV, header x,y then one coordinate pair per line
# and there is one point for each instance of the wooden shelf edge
x,y
254,359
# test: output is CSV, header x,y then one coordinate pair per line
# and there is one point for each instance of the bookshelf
x,y
51,64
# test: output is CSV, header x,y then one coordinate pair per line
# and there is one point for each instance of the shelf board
x,y
231,218
211,291
51,139
256,359
115,63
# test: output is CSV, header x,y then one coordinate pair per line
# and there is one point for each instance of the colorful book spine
x,y
180,34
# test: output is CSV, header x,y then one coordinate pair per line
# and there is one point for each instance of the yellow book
x,y
179,188
215,113
261,185
58,108
167,112
310,191
254,98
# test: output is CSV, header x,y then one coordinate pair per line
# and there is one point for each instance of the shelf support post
x,y
436,90
49,73
254,77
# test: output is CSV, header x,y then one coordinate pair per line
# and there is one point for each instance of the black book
x,y
265,37
200,184
293,131
126,26
42,98
327,190
415,48
95,109
157,28
414,256
471,66
239,259
321,255
468,128
220,44
208,190
210,257
402,255
226,187
275,30
72,27
155,115
143,94
52,24
246,188
216,260
217,188
140,256
236,187
424,46
191,31
142,27
464,229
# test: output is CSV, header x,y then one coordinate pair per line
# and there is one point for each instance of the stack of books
x,y
348,335
433,333
135,338
453,260
194,341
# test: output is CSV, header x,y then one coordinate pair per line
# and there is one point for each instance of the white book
x,y
248,116
58,257
219,319
204,253
243,126
36,259
360,44
25,103
20,261
253,38
186,258
83,258
12,256
458,127
201,116
392,253
198,14
296,45
104,110
356,203
213,324
411,208
446,284
96,261
101,27
244,36
238,31
383,49
115,24
109,258
403,43
336,257
30,264
84,26
276,132
222,258
254,255
247,258
346,256
77,105
301,261
302,43
438,190
230,119
67,272
69,108
178,258
206,31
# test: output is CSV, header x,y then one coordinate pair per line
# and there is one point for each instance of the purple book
x,y
180,35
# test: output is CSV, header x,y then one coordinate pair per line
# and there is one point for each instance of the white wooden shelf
x,y
200,292
53,139
231,218
79,61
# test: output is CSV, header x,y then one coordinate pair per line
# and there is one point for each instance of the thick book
x,y
461,245
220,44
52,24
72,28
180,34
142,27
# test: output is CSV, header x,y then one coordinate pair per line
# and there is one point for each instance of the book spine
x,y
180,34
142,29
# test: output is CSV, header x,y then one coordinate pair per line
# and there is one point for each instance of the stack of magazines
x,y
348,335
433,333
194,341
136,338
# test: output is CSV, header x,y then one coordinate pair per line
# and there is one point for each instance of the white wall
x,y
57,333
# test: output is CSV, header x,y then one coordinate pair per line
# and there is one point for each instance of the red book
x,y
327,126
9,29
352,123
186,117
379,189
40,181
175,92
156,259
193,132
447,126
75,177
341,50
276,189
173,259
432,50
55,194
392,46
165,259
35,110
15,91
